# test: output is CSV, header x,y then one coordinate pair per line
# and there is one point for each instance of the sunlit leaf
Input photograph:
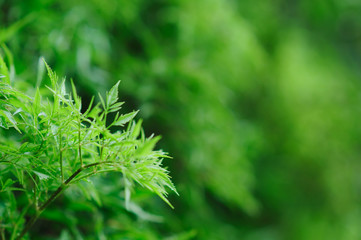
x,y
123,119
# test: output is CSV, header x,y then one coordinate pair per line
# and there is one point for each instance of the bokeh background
x,y
258,103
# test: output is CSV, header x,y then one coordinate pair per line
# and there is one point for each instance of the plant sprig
x,y
60,144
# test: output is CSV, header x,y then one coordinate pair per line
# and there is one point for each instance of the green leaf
x,y
19,110
62,90
52,76
10,59
77,99
4,71
89,107
94,112
123,119
147,147
11,119
161,195
41,176
112,96
102,100
3,123
136,129
7,183
116,107
37,101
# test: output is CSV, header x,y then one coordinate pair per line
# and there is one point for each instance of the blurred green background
x,y
258,102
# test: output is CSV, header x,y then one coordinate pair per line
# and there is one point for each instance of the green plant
x,y
58,143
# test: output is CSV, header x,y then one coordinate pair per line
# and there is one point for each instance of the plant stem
x,y
56,194
61,158
80,155
105,124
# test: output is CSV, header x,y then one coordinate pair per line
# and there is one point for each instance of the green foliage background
x,y
258,102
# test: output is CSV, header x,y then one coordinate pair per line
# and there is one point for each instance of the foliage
x,y
257,100
58,145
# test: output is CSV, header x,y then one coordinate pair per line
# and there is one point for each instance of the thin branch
x,y
79,136
56,194
61,158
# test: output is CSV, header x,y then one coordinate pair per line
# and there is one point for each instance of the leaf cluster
x,y
59,143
